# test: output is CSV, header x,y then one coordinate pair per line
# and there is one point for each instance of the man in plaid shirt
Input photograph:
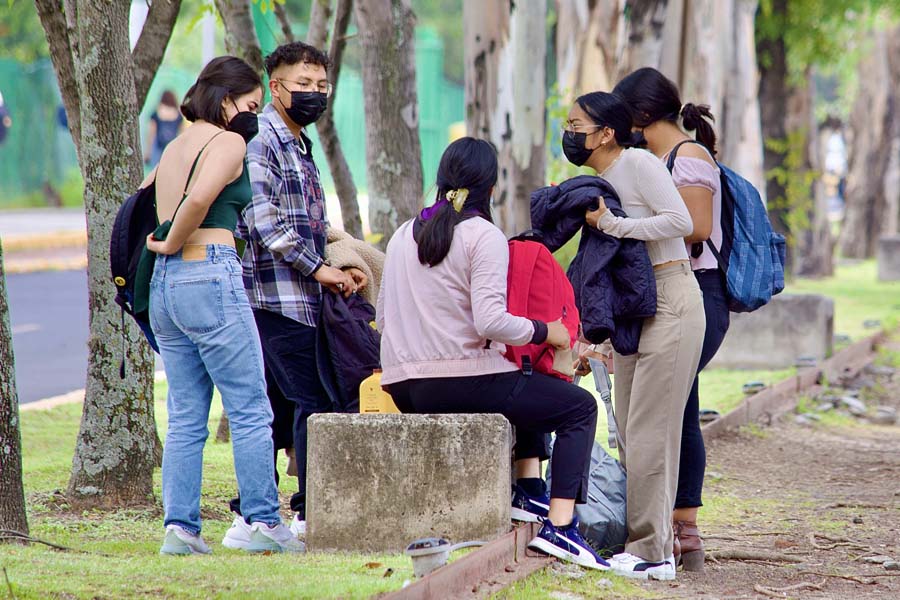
x,y
284,266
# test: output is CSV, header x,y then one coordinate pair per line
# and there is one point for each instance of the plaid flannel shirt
x,y
284,225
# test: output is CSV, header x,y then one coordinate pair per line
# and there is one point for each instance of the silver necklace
x,y
615,160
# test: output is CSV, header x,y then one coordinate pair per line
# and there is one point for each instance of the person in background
x,y
5,120
651,386
656,107
284,261
165,124
200,314
442,311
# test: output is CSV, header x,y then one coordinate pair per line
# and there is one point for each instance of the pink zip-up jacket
x,y
437,321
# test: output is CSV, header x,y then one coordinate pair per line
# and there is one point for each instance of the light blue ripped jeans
x,y
207,336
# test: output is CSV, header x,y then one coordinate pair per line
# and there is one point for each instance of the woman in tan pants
x,y
651,386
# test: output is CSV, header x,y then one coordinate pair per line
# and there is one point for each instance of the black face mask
x,y
306,107
245,124
573,147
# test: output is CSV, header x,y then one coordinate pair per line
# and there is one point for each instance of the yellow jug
x,y
372,398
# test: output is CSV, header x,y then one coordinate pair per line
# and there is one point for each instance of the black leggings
x,y
693,453
535,404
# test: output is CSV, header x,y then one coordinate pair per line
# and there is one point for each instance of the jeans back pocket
x,y
197,304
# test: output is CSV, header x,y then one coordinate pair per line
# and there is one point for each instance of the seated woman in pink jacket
x,y
444,322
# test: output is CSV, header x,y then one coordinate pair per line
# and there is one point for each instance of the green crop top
x,y
224,211
222,214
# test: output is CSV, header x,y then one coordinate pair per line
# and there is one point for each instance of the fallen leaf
x,y
388,572
372,565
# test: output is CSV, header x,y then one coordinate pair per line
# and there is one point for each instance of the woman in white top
x,y
651,386
656,108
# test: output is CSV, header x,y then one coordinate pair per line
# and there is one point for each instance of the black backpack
x,y
135,220
131,275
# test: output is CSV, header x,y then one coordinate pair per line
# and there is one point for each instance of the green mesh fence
x,y
39,150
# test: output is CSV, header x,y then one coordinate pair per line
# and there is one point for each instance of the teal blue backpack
x,y
752,254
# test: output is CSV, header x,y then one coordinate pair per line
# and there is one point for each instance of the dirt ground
x,y
826,495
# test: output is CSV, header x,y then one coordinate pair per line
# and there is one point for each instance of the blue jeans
x,y
202,319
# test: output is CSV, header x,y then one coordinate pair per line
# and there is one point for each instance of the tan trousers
x,y
651,390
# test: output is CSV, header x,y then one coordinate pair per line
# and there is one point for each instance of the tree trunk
x,y
117,445
151,45
506,48
115,452
331,143
774,95
814,246
393,149
587,45
739,128
652,36
12,494
871,126
240,34
319,17
284,22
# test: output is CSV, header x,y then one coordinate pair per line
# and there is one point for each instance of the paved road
x,y
50,329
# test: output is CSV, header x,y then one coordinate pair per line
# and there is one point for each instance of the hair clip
x,y
458,198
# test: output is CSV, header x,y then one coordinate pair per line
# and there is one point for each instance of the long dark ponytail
x,y
653,97
468,164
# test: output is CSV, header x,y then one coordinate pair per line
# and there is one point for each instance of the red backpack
x,y
537,288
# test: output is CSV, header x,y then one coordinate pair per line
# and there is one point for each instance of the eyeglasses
x,y
576,128
307,85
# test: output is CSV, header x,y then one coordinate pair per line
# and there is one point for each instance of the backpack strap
x,y
187,183
697,247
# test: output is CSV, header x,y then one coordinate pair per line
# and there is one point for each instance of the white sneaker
x,y
179,541
635,567
273,539
238,535
298,526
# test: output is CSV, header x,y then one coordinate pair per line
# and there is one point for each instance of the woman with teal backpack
x,y
200,314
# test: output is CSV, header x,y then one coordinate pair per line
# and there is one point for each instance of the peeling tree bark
x,y
873,123
12,493
115,452
240,33
393,149
331,143
505,53
588,33
117,446
151,45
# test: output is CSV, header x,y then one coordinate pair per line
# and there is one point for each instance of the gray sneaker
x,y
179,541
273,539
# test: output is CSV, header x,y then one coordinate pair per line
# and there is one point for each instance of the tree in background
x,y
873,179
240,34
103,85
393,150
505,54
798,42
331,145
12,494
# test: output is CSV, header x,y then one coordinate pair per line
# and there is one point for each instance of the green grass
x,y
858,297
121,547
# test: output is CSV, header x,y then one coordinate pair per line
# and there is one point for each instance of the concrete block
x,y
376,482
775,336
889,258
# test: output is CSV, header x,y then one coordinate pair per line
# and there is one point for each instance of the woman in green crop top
x,y
200,313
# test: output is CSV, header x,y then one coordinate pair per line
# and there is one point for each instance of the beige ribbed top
x,y
656,212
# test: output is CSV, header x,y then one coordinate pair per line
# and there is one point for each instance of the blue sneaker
x,y
530,509
565,543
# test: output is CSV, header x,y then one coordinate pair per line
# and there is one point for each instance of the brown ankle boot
x,y
688,539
